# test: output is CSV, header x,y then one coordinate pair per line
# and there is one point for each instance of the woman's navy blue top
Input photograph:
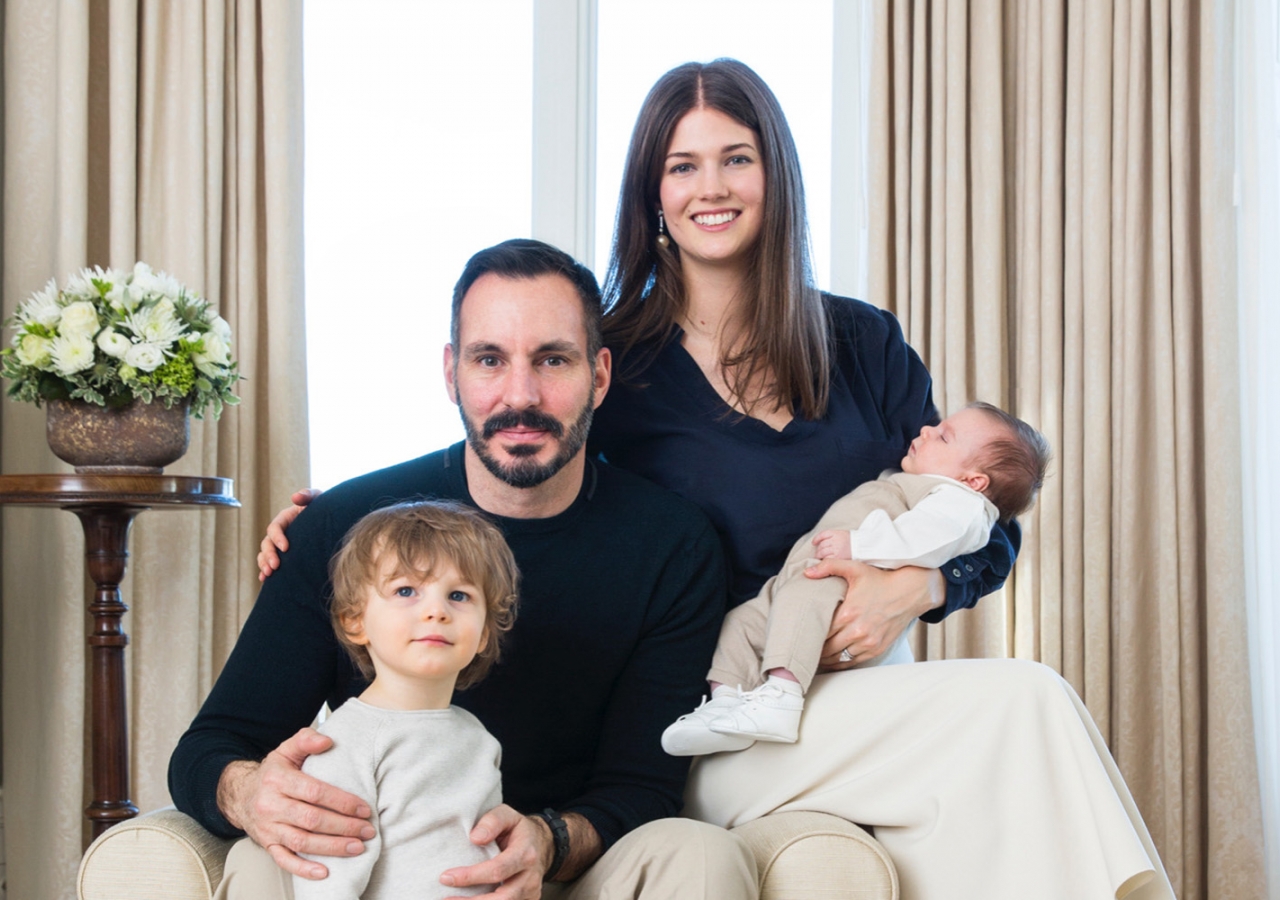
x,y
763,488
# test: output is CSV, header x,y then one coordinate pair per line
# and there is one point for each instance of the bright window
x,y
418,130
419,119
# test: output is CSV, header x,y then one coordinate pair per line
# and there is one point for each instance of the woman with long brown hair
x,y
742,387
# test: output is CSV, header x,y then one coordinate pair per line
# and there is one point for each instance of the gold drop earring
x,y
663,240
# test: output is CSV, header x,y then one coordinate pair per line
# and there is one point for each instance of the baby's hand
x,y
832,545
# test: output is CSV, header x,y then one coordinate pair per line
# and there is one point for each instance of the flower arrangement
x,y
112,337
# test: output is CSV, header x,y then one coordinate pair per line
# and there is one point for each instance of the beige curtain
x,y
1052,221
168,132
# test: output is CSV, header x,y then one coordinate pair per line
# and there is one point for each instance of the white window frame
x,y
564,125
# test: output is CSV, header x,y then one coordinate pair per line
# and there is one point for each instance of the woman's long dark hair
x,y
784,343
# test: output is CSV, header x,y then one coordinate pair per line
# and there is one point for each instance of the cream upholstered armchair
x,y
165,855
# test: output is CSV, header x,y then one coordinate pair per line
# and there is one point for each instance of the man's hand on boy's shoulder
x,y
288,812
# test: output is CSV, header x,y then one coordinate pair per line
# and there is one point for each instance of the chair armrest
x,y
163,855
819,857
166,855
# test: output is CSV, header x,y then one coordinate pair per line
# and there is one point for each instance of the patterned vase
x,y
138,439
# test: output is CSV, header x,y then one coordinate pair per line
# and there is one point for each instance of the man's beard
x,y
528,473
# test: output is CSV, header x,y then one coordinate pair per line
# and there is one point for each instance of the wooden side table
x,y
106,506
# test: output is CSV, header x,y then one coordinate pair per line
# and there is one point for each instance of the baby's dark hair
x,y
1016,466
423,537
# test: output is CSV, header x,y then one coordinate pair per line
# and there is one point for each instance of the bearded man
x,y
622,593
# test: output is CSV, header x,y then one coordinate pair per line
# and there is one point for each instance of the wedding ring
x,y
844,655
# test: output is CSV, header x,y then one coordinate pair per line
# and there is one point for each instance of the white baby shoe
x,y
771,712
691,734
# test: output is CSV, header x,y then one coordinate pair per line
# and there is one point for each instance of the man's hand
x,y
878,606
275,542
288,812
526,851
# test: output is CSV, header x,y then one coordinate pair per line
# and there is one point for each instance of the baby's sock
x,y
790,685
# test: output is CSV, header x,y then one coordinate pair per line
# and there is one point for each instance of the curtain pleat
x,y
1052,201
171,133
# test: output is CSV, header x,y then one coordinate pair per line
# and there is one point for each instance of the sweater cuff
x,y
199,796
964,587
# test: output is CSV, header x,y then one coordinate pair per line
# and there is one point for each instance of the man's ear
x,y
603,376
450,383
978,481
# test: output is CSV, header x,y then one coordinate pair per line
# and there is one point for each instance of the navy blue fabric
x,y
621,598
764,488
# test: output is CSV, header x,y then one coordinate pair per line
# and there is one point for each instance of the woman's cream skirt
x,y
981,778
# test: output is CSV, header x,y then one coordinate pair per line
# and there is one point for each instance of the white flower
x,y
113,343
147,282
147,357
143,280
215,356
105,327
220,327
71,353
79,285
42,307
121,298
156,324
169,286
79,318
34,350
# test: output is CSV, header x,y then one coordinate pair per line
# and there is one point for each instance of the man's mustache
x,y
529,418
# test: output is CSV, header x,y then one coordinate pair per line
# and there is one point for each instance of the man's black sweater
x,y
621,599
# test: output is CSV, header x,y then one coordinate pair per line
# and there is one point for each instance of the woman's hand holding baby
x,y
878,606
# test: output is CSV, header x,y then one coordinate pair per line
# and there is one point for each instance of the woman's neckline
x,y
695,381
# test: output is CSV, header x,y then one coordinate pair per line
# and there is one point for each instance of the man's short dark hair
x,y
527,258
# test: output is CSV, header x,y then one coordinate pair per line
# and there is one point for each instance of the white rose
x,y
113,343
34,350
72,353
147,357
79,318
207,366
216,348
214,356
221,328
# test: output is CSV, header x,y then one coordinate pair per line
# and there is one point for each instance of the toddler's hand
x,y
832,545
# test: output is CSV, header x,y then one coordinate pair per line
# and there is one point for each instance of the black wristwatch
x,y
560,836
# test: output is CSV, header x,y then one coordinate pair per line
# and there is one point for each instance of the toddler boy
x,y
422,593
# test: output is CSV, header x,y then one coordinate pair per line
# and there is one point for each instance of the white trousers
x,y
982,778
